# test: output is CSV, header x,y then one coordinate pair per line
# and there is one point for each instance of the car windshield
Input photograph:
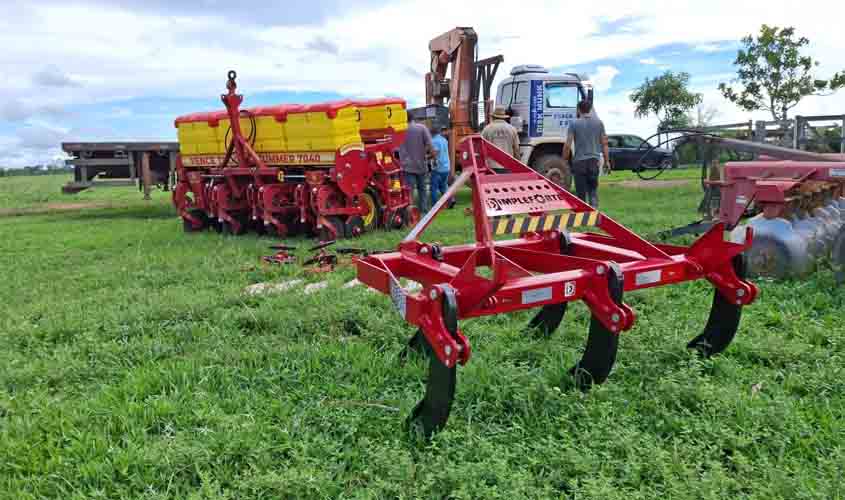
x,y
632,141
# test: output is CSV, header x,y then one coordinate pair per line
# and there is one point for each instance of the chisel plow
x,y
545,266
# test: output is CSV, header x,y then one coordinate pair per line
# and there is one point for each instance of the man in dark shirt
x,y
590,140
413,156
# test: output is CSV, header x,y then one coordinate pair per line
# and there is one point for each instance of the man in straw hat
x,y
502,134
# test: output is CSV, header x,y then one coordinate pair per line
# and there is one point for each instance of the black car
x,y
627,150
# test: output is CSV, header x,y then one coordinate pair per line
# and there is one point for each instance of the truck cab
x,y
541,106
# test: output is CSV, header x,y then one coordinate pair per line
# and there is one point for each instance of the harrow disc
x,y
432,412
723,321
602,344
838,257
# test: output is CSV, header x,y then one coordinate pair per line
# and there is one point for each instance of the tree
x,y
774,75
702,117
666,97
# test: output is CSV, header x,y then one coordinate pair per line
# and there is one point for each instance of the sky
x,y
124,69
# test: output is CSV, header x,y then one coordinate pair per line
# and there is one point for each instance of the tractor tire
x,y
373,219
555,169
324,234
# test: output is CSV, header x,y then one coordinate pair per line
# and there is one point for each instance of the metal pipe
x,y
770,150
426,220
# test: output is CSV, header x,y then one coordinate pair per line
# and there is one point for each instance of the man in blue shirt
x,y
442,169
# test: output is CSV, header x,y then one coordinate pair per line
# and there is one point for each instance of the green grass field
x,y
133,366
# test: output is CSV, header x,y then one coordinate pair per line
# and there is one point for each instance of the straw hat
x,y
501,113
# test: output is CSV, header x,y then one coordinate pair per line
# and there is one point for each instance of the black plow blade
x,y
723,321
432,412
602,344
547,319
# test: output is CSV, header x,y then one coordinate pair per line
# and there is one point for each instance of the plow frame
x,y
540,267
545,267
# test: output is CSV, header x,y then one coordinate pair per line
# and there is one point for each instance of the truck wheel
x,y
555,169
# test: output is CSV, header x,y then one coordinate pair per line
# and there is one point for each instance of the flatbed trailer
x,y
109,164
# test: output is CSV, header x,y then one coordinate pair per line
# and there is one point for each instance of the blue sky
x,y
124,69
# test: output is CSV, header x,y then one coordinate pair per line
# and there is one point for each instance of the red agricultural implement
x,y
313,169
546,266
794,201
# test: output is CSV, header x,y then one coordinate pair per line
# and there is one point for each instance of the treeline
x,y
36,170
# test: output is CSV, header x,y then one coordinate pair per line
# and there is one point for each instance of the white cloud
x,y
603,78
649,60
161,49
710,47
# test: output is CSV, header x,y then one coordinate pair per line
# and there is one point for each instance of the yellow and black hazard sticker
x,y
538,223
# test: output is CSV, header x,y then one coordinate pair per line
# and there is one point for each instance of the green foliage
x,y
133,366
774,75
37,170
666,97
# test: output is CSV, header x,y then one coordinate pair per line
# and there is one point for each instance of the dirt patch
x,y
56,207
656,184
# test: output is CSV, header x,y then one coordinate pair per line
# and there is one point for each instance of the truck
x,y
541,105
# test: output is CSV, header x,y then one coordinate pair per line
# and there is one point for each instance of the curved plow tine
x,y
602,344
416,345
432,412
723,321
546,321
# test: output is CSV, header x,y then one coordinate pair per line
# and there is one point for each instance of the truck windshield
x,y
511,96
561,95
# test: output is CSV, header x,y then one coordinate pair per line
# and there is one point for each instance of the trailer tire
x,y
555,169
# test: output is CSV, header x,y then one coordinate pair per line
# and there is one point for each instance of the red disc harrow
x,y
546,266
